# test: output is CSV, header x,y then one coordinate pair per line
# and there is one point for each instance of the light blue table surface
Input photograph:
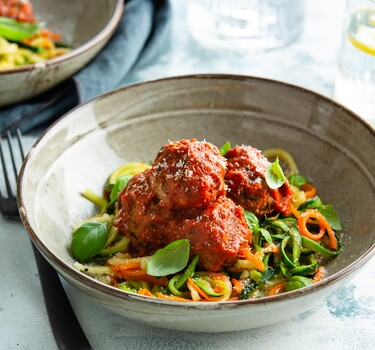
x,y
346,320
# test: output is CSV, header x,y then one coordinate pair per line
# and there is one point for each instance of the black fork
x,y
8,201
65,326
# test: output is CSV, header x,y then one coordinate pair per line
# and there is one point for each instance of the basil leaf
x,y
89,239
252,221
311,203
275,177
266,235
119,185
171,259
329,212
13,30
225,148
297,180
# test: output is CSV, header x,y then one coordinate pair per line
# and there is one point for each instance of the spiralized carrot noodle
x,y
309,190
203,295
145,291
47,33
237,286
138,275
271,248
323,224
254,259
171,297
279,288
319,274
130,266
194,294
294,211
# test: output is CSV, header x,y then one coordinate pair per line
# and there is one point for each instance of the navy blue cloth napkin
x,y
139,38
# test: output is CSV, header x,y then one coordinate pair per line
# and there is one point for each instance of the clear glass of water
x,y
355,82
243,25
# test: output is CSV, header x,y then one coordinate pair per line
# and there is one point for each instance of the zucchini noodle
x,y
286,157
23,40
128,169
13,55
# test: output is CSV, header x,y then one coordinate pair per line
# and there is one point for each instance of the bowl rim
x,y
67,269
108,29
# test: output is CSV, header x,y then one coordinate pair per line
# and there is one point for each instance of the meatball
x,y
245,179
18,10
217,232
140,218
188,174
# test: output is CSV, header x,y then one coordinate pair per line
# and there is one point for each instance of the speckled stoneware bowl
x,y
84,26
331,145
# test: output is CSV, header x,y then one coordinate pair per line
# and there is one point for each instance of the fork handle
x,y
65,326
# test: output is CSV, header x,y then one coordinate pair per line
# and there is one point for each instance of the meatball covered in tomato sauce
x,y
217,232
20,10
188,174
246,183
140,218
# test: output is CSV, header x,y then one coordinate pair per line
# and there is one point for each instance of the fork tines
x,y
8,155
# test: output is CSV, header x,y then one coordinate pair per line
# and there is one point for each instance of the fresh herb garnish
x,y
297,180
119,185
266,235
89,239
225,148
275,177
252,221
311,203
14,30
171,259
329,213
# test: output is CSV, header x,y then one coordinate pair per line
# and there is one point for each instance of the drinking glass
x,y
355,81
243,25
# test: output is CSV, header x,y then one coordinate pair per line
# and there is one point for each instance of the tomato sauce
x,y
188,174
245,178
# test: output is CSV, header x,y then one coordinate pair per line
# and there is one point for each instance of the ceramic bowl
x,y
331,145
83,26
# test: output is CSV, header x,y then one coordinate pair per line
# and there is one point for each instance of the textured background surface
x,y
346,320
